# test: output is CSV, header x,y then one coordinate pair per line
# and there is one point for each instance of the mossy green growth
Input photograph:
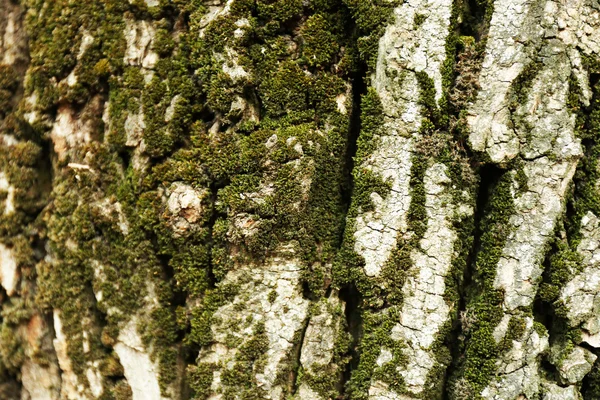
x,y
348,267
462,188
371,18
325,378
9,82
320,42
201,378
377,327
564,263
523,84
418,21
485,305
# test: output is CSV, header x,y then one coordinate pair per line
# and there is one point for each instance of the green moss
x,y
523,83
418,21
371,18
564,263
485,302
292,87
9,82
377,335
320,43
585,195
286,91
200,379
516,329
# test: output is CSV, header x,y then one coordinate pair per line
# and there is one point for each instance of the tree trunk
x,y
299,199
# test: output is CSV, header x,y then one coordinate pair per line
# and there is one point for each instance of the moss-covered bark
x,y
286,199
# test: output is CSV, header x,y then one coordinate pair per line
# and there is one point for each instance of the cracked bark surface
x,y
287,199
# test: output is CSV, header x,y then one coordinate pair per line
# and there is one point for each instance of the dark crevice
x,y
10,388
489,176
352,297
307,293
590,348
359,88
474,22
550,369
125,158
45,170
543,313
590,387
215,215
349,294
297,352
543,309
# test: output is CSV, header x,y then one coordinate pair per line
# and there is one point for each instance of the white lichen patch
x,y
306,393
270,295
519,268
139,36
86,41
134,137
149,3
321,333
572,363
341,100
424,310
69,131
40,382
377,231
518,369
134,129
577,24
581,295
216,9
413,47
31,114
551,154
318,347
113,211
40,376
13,38
230,64
9,273
404,50
9,201
94,377
553,391
170,111
141,373
72,388
381,391
249,110
140,370
506,55
540,130
186,207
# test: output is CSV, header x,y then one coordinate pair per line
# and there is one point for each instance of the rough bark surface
x,y
299,199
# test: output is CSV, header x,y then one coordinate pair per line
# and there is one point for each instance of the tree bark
x,y
299,199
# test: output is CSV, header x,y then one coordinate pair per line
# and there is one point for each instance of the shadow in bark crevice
x,y
489,176
352,297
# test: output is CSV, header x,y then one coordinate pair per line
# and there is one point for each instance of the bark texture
x,y
299,199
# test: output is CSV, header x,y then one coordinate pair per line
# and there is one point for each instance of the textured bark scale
x,y
299,199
